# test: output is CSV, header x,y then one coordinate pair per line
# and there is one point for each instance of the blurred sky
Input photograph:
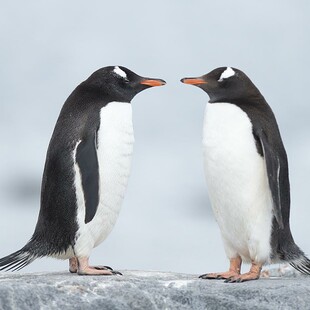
x,y
48,47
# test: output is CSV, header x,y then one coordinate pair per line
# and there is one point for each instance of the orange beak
x,y
193,81
153,82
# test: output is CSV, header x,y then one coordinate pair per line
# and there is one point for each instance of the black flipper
x,y
277,171
86,158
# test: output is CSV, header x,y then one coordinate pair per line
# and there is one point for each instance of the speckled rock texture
x,y
150,290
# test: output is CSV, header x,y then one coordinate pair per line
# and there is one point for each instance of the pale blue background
x,y
48,47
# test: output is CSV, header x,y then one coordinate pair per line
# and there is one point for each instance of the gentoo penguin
x,y
86,171
247,176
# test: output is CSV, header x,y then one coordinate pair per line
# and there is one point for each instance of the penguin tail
x,y
302,264
17,260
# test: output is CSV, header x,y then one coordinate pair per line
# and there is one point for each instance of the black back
x,y
78,121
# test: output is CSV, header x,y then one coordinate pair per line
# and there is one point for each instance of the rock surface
x,y
149,290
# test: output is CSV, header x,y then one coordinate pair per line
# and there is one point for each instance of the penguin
x,y
86,171
246,170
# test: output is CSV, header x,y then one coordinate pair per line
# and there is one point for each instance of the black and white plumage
x,y
247,175
86,170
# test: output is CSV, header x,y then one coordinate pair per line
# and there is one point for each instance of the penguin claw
x,y
219,276
241,279
208,276
103,268
232,280
95,272
113,272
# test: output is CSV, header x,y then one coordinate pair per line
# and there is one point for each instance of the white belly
x,y
115,145
237,182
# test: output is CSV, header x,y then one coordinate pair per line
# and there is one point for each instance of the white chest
x,y
236,178
114,149
227,129
115,146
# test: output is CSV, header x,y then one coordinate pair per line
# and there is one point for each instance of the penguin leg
x,y
85,269
73,265
253,274
234,270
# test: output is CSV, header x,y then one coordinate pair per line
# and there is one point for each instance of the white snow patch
x,y
177,283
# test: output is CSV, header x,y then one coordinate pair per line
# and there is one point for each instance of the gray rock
x,y
149,290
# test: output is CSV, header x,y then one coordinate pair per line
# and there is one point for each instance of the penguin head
x,y
224,84
117,83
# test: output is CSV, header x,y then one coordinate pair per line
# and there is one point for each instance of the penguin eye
x,y
126,80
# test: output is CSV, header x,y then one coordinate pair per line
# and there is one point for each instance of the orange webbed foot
x,y
253,274
234,271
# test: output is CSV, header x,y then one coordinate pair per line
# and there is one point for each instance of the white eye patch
x,y
120,72
226,74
